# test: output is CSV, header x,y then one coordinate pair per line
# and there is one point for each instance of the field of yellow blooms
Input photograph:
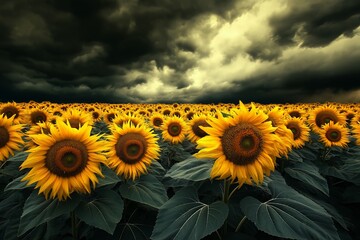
x,y
179,171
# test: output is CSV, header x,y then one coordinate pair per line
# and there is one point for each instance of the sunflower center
x,y
247,143
174,129
295,114
95,115
333,135
57,113
9,111
295,129
273,121
157,122
4,136
66,158
325,117
242,143
74,123
110,117
131,147
189,115
197,130
37,117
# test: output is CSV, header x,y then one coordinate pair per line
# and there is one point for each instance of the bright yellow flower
x,y
243,145
132,149
66,160
10,137
334,134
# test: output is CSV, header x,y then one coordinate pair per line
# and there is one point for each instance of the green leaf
x,y
340,173
17,184
133,231
188,171
289,215
333,212
18,157
308,173
103,211
11,204
157,170
38,210
307,154
147,190
110,177
185,217
294,156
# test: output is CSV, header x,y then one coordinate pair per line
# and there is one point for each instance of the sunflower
x,y
334,134
195,127
324,114
41,127
36,116
243,145
10,137
109,117
132,149
156,120
11,109
120,119
300,131
356,132
66,160
77,118
296,112
277,118
174,130
96,114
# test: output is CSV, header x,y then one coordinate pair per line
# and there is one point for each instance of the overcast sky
x,y
198,51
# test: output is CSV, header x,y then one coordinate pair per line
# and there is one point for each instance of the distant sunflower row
x,y
65,154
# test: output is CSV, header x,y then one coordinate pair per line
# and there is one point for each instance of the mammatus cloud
x,y
161,51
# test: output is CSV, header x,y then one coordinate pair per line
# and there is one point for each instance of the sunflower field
x,y
179,171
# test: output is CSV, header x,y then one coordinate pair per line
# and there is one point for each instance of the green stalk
x,y
74,226
240,224
226,197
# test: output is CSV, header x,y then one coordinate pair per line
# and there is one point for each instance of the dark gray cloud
x,y
183,51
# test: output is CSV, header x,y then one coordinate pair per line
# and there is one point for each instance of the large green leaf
x,y
185,217
157,170
133,231
294,156
306,154
308,173
38,210
147,190
18,157
344,173
289,215
188,171
17,184
110,178
104,210
11,204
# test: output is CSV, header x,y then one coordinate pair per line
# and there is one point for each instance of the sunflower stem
x,y
226,197
240,224
74,225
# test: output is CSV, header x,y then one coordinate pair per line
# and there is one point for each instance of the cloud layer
x,y
183,51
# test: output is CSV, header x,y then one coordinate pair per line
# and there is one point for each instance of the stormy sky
x,y
196,51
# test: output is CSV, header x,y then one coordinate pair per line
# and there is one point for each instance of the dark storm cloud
x,y
184,51
317,22
69,43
